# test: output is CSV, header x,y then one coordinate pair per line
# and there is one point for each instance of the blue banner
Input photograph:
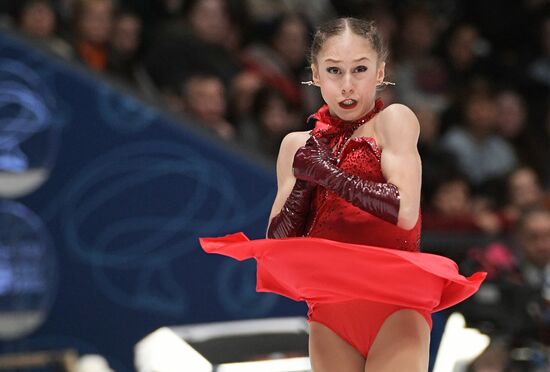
x,y
102,199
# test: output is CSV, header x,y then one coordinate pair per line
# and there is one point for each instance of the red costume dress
x,y
352,268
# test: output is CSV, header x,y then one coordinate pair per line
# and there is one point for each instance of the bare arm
x,y
398,131
285,177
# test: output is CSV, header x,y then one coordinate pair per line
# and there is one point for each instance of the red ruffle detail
x,y
329,125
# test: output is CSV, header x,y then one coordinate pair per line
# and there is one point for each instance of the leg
x,y
328,352
402,344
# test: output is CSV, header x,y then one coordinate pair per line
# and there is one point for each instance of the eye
x,y
333,70
361,68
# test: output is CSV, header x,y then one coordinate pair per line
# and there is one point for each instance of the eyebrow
x,y
338,61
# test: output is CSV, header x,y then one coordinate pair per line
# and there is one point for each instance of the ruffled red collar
x,y
327,125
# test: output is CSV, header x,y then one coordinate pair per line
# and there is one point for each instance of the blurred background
x,y
130,128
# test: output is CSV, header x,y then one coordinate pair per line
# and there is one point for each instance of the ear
x,y
315,74
381,73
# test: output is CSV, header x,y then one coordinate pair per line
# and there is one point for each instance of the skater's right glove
x,y
291,220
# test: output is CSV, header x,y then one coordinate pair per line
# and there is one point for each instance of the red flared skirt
x,y
319,270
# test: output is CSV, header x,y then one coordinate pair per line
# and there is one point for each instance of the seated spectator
x,y
316,11
437,162
37,20
272,118
92,22
280,60
514,302
513,124
534,250
524,191
466,56
244,88
203,97
511,113
386,21
420,75
482,154
124,58
452,208
204,37
534,243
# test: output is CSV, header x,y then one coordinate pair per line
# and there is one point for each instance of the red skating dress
x,y
352,268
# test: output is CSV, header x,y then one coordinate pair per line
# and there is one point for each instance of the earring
x,y
384,84
309,83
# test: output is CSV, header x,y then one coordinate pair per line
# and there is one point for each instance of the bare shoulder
x,y
293,141
289,145
398,123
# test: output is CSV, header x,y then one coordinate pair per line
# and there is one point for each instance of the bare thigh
x,y
402,344
328,352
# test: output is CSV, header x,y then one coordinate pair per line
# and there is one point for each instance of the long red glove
x,y
291,220
315,163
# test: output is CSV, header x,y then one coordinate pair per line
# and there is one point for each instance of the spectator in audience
x,y
243,90
210,21
92,22
124,59
517,281
280,60
511,114
420,75
513,125
534,249
203,97
272,118
205,37
534,240
466,57
386,21
452,208
482,154
437,162
315,11
524,191
37,20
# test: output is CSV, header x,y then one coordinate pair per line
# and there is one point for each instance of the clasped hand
x,y
312,161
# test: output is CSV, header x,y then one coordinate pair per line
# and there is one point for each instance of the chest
x,y
361,157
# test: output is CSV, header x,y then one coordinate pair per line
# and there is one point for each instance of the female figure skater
x,y
345,225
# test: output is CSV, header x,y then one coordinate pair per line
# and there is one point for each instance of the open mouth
x,y
348,104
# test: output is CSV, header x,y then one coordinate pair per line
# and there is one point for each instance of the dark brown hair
x,y
337,26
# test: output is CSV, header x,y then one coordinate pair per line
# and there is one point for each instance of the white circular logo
x,y
27,271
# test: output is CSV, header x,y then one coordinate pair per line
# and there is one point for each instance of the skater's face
x,y
347,70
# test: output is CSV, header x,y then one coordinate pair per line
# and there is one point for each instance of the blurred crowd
x,y
477,74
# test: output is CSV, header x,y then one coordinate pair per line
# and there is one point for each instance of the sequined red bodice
x,y
334,218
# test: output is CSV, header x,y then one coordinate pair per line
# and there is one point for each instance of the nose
x,y
347,84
